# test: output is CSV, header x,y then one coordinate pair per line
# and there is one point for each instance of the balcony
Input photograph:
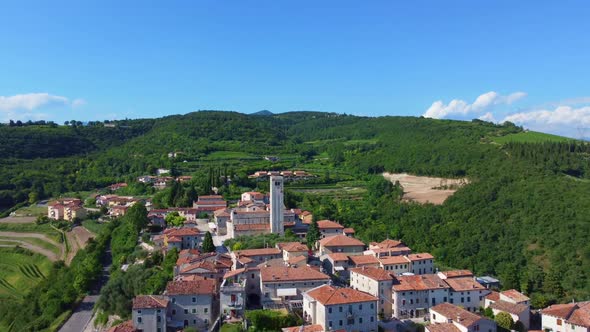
x,y
229,286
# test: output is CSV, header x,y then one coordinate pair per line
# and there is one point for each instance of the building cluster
x,y
68,209
161,181
117,206
287,175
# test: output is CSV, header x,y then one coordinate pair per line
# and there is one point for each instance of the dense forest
x,y
524,217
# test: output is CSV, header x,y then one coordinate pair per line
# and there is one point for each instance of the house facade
x,y
376,282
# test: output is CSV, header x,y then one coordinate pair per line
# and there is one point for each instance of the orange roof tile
x,y
454,312
457,273
191,287
392,260
123,327
512,308
149,302
572,313
515,295
283,273
338,257
329,295
306,328
493,296
420,257
348,230
464,284
340,241
329,224
364,260
442,327
259,252
233,273
184,231
419,283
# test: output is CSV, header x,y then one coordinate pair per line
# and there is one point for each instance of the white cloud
x,y
458,107
488,117
562,116
30,101
26,106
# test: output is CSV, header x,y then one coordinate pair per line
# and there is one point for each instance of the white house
x,y
340,309
149,313
570,317
193,303
282,283
451,318
377,282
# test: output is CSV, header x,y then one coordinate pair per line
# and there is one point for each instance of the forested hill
x,y
525,216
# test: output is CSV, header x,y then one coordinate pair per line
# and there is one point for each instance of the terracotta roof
x,y
457,273
273,274
185,231
388,243
338,257
340,241
397,251
420,257
329,295
464,284
123,327
191,287
374,273
493,296
206,265
251,227
174,239
189,277
245,260
348,230
306,328
259,252
364,260
457,314
515,295
329,224
512,308
149,302
391,260
234,273
189,252
442,327
221,213
294,247
572,313
297,259
419,283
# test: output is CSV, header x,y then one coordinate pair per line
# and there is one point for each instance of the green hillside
x,y
523,217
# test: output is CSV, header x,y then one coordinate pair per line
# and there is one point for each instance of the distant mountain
x,y
263,113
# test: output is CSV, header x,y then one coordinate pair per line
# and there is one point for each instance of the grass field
x,y
20,270
32,210
93,226
32,228
222,155
35,241
530,137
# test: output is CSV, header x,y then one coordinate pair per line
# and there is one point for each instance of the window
x,y
138,320
462,300
186,311
433,316
139,312
372,319
330,324
403,302
159,311
411,301
417,300
451,301
206,310
559,322
340,322
445,299
173,312
360,320
469,299
159,319
194,321
330,310
360,307
194,299
173,300
194,311
340,309
159,329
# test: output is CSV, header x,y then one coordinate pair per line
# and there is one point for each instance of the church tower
x,y
277,215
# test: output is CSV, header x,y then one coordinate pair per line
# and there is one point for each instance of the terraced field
x,y
20,270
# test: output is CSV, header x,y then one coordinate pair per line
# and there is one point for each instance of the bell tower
x,y
277,215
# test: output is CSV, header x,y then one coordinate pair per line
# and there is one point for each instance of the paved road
x,y
83,313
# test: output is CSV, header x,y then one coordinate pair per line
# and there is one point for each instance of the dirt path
x,y
45,252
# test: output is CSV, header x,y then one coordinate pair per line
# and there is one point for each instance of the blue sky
x,y
524,61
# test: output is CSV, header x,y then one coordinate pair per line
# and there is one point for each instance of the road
x,y
83,313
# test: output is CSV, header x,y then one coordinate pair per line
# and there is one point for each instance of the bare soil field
x,y
423,189
77,239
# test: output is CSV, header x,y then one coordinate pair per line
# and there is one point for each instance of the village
x,y
338,283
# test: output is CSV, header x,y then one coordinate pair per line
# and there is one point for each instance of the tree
x,y
488,312
174,219
519,326
208,245
137,216
313,234
504,320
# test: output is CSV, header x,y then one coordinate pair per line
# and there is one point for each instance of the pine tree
x,y
313,234
208,245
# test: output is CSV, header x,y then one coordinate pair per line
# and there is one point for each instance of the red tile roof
x,y
123,327
464,284
374,273
515,295
388,243
329,295
572,313
184,231
420,257
329,224
283,273
205,265
457,273
442,327
191,287
392,260
348,230
457,314
294,247
149,302
419,283
258,252
338,257
234,273
509,307
359,260
340,241
493,296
